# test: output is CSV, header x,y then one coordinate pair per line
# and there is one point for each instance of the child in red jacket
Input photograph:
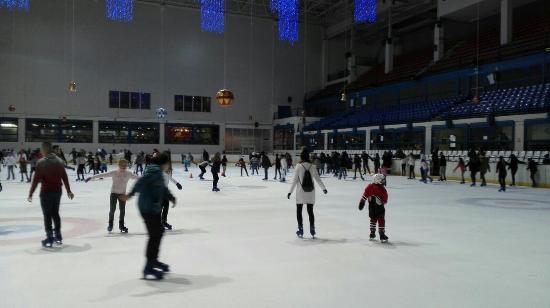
x,y
377,196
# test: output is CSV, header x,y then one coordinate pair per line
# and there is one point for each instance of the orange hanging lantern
x,y
225,97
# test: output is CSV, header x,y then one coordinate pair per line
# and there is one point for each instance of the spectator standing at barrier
x,y
513,165
484,167
501,171
442,167
266,164
532,167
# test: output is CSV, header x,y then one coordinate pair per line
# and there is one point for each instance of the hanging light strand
x,y
288,11
212,15
365,11
119,10
15,4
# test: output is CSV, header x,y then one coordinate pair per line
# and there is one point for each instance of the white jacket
x,y
120,180
303,197
10,160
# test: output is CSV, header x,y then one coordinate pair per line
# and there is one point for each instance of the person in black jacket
x,y
277,167
376,163
474,165
357,167
532,167
442,167
215,169
546,160
343,166
205,155
513,166
501,171
266,164
365,158
224,165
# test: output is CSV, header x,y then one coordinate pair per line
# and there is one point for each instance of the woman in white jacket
x,y
302,195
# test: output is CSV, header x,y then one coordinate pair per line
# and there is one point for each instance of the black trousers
x,y
49,201
203,171
216,179
245,170
266,173
513,172
80,171
534,182
355,172
155,231
403,169
473,176
278,169
502,181
309,213
366,167
121,207
412,175
165,208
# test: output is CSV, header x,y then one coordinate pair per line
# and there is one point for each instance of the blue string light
x,y
120,10
212,15
15,4
365,11
287,11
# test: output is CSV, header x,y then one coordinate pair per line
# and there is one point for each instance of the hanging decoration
x,y
119,10
15,4
162,113
365,11
72,86
288,11
225,97
212,15
11,108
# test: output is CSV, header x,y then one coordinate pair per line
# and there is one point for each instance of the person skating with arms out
x,y
118,190
305,191
377,197
50,173
152,190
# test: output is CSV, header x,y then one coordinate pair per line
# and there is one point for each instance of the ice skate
x,y
383,237
47,243
109,228
123,229
165,268
58,239
167,226
300,232
312,232
150,270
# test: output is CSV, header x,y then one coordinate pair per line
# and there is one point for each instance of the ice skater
x,y
501,171
241,163
532,167
266,164
166,202
442,167
215,169
411,162
10,162
202,167
277,167
425,171
377,196
152,191
81,166
305,191
224,165
23,162
484,167
284,168
462,166
118,191
357,167
50,173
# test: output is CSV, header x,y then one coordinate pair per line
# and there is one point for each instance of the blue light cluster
x,y
288,11
15,4
120,10
365,11
213,15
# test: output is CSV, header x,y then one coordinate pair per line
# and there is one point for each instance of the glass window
x,y
76,131
192,134
114,99
145,101
491,137
144,133
125,100
178,103
283,137
187,103
398,139
206,101
67,131
455,138
197,103
134,100
537,137
8,130
114,132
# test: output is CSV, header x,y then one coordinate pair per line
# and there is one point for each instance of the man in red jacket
x,y
50,172
377,196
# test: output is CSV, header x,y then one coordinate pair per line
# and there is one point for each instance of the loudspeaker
x,y
289,99
491,120
449,123
256,124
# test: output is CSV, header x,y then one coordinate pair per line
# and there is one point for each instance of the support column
x,y
325,136
161,134
367,139
324,62
439,47
95,127
21,130
389,46
506,25
519,134
428,139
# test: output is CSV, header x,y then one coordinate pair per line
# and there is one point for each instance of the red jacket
x,y
50,172
376,190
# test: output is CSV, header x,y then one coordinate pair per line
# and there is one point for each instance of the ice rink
x,y
450,246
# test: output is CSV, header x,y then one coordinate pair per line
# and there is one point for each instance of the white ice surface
x,y
450,246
